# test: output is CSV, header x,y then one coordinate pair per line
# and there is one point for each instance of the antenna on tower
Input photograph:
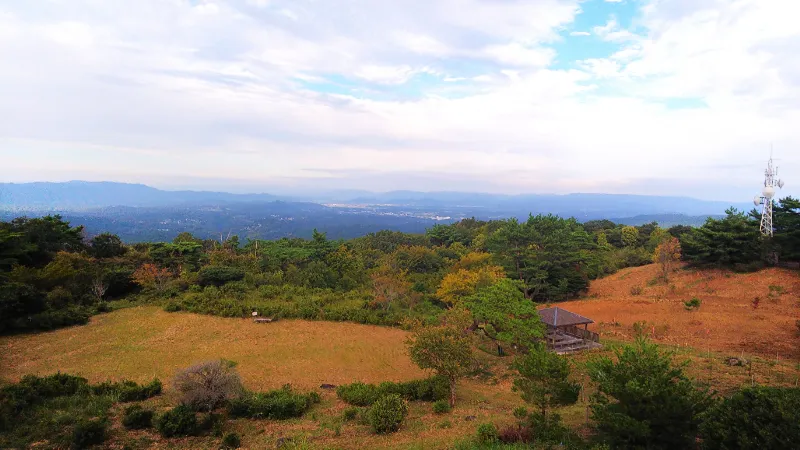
x,y
767,193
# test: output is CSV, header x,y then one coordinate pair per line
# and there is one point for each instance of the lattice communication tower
x,y
765,199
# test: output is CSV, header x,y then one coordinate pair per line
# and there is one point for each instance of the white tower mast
x,y
770,183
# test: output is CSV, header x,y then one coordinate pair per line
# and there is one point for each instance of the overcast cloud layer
x,y
674,97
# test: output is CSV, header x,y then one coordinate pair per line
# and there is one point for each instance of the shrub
x,y
88,433
521,412
513,434
350,414
387,414
32,388
776,289
179,421
211,422
428,389
359,394
487,433
550,429
231,440
278,405
692,304
640,329
209,384
441,407
137,418
129,391
754,418
636,290
172,307
219,275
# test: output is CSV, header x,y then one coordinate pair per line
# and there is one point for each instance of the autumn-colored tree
x,y
630,236
152,276
473,260
389,287
667,254
463,283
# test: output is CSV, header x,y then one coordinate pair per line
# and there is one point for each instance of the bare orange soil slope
x,y
750,313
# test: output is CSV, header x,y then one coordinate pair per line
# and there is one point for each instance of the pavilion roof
x,y
558,317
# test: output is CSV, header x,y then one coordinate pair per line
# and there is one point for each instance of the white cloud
x,y
580,33
601,68
259,3
516,54
386,74
611,31
157,90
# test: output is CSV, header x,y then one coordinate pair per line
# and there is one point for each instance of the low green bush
x,y
441,407
358,394
50,320
129,391
280,404
350,414
219,275
137,418
172,307
387,414
50,409
487,433
179,421
231,440
692,304
428,389
88,433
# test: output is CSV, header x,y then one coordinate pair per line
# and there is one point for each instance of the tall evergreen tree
x,y
786,223
727,242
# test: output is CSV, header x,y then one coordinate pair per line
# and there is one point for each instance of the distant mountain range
x,y
83,195
137,212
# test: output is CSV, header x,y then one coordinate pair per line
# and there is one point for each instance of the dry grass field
x,y
144,342
730,319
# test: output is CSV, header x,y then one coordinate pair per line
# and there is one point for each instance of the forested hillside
x,y
51,276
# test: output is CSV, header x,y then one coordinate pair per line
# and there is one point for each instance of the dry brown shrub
x,y
209,384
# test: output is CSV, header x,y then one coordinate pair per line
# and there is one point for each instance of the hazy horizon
x,y
304,193
666,97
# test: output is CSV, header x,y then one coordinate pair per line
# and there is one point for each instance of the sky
x,y
663,97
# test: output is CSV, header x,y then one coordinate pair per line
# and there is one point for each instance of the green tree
x,y
446,349
786,223
754,418
44,237
505,314
644,400
106,245
547,253
727,242
543,380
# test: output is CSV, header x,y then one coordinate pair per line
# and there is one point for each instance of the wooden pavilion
x,y
568,332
